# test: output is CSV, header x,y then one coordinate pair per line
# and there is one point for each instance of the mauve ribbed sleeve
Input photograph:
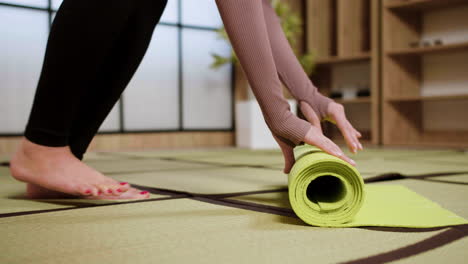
x,y
289,69
250,38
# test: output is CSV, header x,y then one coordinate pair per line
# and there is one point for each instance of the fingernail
x,y
144,192
88,191
119,190
109,191
123,183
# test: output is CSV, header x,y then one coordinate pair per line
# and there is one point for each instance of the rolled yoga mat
x,y
327,191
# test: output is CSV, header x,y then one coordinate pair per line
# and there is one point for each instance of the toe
x,y
124,186
87,190
115,188
144,194
104,189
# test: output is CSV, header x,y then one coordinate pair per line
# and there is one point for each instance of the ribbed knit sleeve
x,y
248,33
289,69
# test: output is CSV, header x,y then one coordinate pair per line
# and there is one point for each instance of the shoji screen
x,y
23,34
151,102
207,101
173,89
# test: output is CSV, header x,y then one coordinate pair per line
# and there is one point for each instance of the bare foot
x,y
37,192
56,169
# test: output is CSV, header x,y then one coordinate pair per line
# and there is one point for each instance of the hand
x,y
336,115
315,135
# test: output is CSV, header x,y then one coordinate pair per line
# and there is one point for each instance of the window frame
x,y
121,103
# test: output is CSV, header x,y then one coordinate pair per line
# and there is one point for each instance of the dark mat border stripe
x,y
439,240
4,215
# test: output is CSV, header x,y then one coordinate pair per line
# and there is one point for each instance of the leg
x,y
115,75
77,48
113,78
289,69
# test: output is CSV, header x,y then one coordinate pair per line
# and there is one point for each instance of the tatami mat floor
x,y
227,206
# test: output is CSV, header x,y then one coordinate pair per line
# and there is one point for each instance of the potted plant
x,y
251,130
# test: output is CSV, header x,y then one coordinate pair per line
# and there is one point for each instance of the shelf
x,y
428,98
337,60
429,50
420,5
359,100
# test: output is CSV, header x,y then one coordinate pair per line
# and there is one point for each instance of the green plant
x,y
291,24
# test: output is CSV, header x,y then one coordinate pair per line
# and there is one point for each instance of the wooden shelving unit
x,y
344,59
347,32
402,78
359,100
420,5
428,98
428,50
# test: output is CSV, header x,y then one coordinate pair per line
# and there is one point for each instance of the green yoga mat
x,y
326,191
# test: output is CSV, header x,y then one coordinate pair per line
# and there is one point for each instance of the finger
x,y
288,154
331,148
359,143
310,114
348,133
358,133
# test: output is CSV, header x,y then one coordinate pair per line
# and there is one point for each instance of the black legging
x,y
94,48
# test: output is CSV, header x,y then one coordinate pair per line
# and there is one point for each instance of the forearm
x,y
247,31
288,67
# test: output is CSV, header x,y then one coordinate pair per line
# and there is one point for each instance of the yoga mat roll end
x,y
323,189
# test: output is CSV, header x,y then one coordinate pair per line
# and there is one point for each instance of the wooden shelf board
x,y
428,98
428,50
359,100
434,144
420,5
336,60
342,143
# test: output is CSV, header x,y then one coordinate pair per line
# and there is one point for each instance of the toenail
x,y
99,192
123,183
88,191
109,191
144,192
119,190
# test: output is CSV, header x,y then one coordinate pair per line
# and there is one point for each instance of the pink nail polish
x,y
99,192
119,190
144,192
88,191
109,191
123,183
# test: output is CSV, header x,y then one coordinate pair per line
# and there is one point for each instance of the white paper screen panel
x,y
21,54
202,13
207,97
32,3
56,4
112,121
151,102
171,13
